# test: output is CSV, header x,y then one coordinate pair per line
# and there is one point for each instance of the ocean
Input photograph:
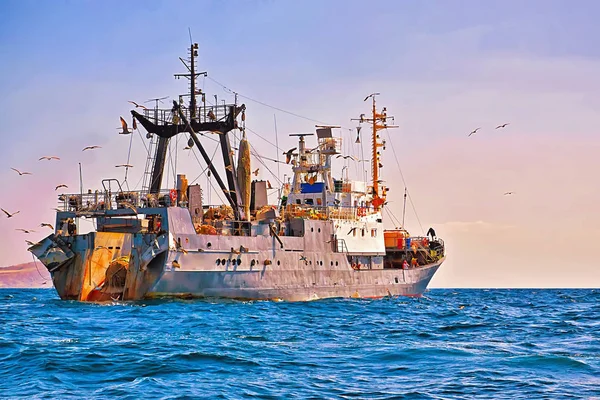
x,y
513,344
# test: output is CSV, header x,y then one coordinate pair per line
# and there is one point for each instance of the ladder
x,y
147,179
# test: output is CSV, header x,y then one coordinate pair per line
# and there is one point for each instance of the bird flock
x,y
22,173
501,126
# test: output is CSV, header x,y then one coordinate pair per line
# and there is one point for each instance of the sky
x,y
443,68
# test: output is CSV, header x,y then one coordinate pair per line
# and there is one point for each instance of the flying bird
x,y
91,148
503,125
43,224
124,165
21,173
288,155
49,158
255,172
126,130
371,95
269,185
137,105
60,186
474,132
509,193
346,157
25,230
9,215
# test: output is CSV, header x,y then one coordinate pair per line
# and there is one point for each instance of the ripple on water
x,y
448,344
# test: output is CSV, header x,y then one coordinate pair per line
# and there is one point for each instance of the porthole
x,y
252,263
310,262
312,229
239,262
336,263
319,230
396,279
278,262
223,261
332,263
218,262
208,245
321,263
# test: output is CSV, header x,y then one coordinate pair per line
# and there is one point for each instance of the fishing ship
x,y
324,238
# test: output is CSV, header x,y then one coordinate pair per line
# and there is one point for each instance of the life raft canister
x,y
361,211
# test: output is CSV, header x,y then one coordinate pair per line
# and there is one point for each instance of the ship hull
x,y
294,285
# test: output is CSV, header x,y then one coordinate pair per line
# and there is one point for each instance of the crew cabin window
x,y
373,232
308,201
298,201
363,231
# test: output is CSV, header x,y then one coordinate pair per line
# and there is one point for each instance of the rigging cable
x,y
403,181
265,104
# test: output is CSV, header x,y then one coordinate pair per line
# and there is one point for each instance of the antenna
x,y
192,75
379,121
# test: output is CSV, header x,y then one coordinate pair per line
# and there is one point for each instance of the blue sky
x,y
67,69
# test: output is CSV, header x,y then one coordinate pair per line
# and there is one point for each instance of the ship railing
x,y
202,114
327,212
112,200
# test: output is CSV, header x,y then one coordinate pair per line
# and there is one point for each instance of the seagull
x,y
91,148
61,185
25,230
9,215
125,130
21,173
474,132
124,165
49,158
371,95
137,105
255,172
43,224
346,157
503,125
269,185
509,193
288,155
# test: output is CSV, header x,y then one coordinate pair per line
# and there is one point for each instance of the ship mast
x,y
379,121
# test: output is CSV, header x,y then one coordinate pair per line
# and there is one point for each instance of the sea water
x,y
528,344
